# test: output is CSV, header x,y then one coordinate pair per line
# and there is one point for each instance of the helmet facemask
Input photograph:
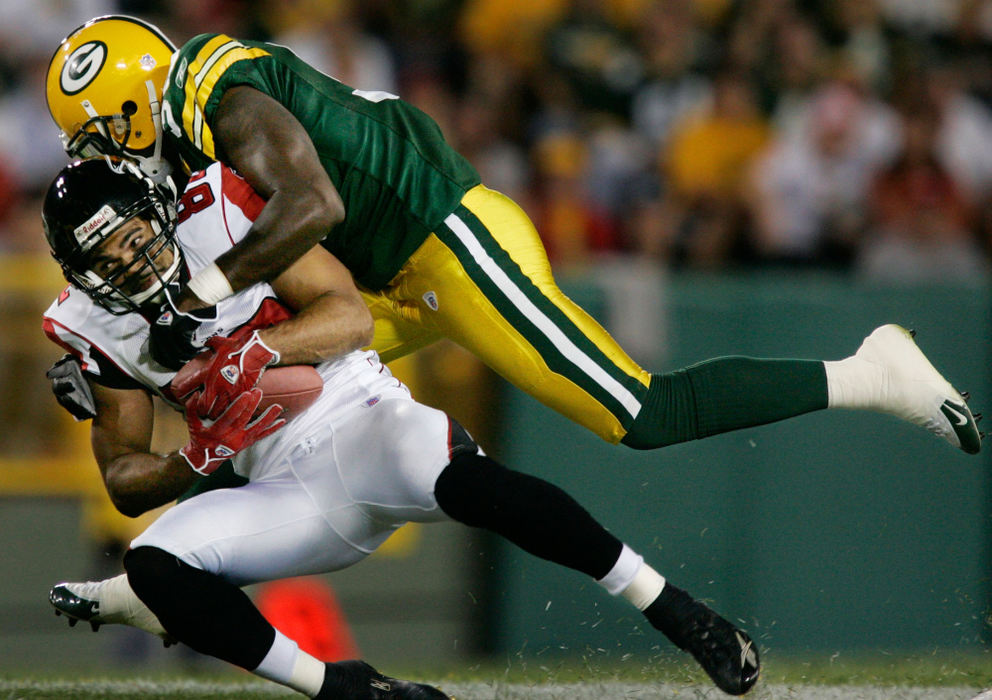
x,y
108,135
135,284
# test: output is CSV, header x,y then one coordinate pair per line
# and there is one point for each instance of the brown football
x,y
294,387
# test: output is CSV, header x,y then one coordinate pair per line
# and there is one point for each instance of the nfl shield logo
x,y
430,298
230,373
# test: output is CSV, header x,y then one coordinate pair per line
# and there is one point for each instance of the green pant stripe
x,y
565,349
557,316
536,296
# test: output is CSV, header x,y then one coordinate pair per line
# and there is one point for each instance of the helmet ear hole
x,y
129,108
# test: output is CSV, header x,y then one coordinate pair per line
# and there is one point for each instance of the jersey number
x,y
193,200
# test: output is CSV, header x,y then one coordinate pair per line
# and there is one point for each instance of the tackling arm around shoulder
x,y
136,479
267,145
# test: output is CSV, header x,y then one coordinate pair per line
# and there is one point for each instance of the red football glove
x,y
236,367
213,442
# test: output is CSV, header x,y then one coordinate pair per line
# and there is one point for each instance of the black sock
x,y
668,610
535,515
725,394
345,679
200,609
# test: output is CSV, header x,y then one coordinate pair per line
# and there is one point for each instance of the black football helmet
x,y
86,204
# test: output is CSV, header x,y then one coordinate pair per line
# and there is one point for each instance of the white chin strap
x,y
156,167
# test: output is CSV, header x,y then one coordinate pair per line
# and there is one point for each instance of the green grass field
x,y
874,676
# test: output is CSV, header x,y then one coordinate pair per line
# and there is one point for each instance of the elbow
x,y
126,500
126,506
131,512
335,211
366,331
305,213
361,324
328,210
352,332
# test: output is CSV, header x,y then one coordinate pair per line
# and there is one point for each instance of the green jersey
x,y
397,176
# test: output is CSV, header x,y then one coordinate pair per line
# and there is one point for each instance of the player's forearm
x,y
266,145
138,482
291,223
328,327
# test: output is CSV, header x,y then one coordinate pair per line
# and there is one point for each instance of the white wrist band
x,y
210,285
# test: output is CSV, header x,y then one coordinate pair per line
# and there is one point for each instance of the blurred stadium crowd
x,y
853,135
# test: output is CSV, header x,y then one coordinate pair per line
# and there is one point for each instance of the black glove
x,y
172,340
71,389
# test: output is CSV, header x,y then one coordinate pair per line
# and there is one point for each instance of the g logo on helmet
x,y
82,66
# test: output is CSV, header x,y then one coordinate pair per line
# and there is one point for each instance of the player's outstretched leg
x,y
545,521
107,602
358,680
889,373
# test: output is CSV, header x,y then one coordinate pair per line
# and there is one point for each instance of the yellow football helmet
x,y
104,90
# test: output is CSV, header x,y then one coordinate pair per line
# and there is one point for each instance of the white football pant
x,y
334,496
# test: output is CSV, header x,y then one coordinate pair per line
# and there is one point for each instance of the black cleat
x,y
725,652
74,607
356,680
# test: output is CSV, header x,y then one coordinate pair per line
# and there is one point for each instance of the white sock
x,y
119,603
286,664
631,578
852,383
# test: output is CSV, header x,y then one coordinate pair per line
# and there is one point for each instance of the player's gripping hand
x,y
172,336
211,442
235,367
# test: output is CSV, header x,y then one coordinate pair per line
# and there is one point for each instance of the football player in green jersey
x,y
436,253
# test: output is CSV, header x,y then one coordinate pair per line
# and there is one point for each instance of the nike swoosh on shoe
x,y
963,423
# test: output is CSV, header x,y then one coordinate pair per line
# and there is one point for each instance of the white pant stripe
x,y
539,319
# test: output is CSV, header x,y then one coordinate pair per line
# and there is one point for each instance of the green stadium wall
x,y
832,532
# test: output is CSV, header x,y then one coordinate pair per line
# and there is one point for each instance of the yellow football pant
x,y
484,281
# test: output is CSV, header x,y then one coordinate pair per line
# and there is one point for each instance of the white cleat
x,y
107,602
912,389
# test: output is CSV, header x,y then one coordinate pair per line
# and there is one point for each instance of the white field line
x,y
669,691
138,688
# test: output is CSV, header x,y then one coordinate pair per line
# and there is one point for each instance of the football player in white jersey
x,y
325,488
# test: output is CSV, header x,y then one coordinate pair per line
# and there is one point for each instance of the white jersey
x,y
215,212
